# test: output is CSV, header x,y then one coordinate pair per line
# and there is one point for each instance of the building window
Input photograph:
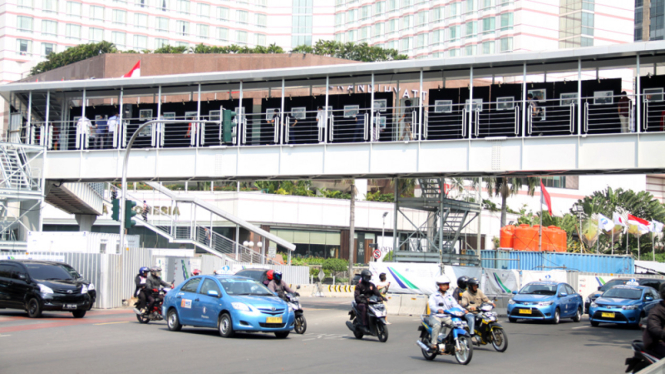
x,y
339,19
140,3
50,5
365,12
379,7
24,4
119,39
49,27
119,17
484,4
405,3
469,6
182,6
242,16
364,33
182,28
378,30
406,23
97,13
452,52
96,35
587,23
453,10
586,42
506,21
182,44
24,47
222,33
159,43
261,20
437,14
506,44
391,26
260,39
404,45
73,9
162,24
471,29
454,33
488,25
392,4
421,40
470,50
140,42
422,18
204,10
73,31
202,31
141,20
47,48
223,13
164,5
242,37
24,23
488,48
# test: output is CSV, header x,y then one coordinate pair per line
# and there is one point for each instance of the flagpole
x,y
612,241
638,246
653,248
540,228
598,240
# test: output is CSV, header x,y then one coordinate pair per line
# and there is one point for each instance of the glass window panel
x,y
49,27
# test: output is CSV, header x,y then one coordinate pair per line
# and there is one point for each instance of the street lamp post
x,y
383,229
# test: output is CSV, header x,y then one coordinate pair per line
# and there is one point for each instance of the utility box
x,y
78,241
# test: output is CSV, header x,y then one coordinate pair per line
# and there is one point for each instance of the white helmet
x,y
442,279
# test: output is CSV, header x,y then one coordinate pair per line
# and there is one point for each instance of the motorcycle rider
x,y
153,284
654,335
269,274
276,285
473,298
439,302
365,289
461,287
196,272
140,281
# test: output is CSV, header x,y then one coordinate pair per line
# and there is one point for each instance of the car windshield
x,y
612,283
538,289
48,272
624,293
71,271
245,287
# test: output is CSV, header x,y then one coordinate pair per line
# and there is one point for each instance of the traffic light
x,y
129,213
115,210
228,125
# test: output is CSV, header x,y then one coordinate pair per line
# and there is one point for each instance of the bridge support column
x,y
85,221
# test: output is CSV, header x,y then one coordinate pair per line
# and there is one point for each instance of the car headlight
x,y
546,303
91,287
593,305
241,307
630,307
84,289
511,301
45,289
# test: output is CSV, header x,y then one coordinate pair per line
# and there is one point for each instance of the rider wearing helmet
x,y
269,277
153,284
364,290
461,287
473,298
438,303
276,285
196,272
140,281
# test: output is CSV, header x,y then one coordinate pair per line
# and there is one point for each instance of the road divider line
x,y
110,323
581,327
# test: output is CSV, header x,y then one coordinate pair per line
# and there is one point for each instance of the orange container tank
x,y
506,239
526,238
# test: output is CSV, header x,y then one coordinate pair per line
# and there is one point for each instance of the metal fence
x,y
291,274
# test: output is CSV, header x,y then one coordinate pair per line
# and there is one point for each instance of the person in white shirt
x,y
320,121
83,126
113,125
383,286
438,303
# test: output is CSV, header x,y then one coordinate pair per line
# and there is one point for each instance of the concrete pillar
x,y
31,212
85,221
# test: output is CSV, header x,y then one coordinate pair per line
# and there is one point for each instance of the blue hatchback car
x,y
622,305
230,304
548,301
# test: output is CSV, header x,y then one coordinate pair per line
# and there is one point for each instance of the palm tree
x,y
506,187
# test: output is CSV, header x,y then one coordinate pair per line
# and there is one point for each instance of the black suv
x,y
648,282
36,286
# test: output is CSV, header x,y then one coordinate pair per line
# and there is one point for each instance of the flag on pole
x,y
546,197
643,226
135,72
656,227
618,219
605,223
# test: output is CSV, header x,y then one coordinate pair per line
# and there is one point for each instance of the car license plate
x,y
525,311
607,315
273,319
69,306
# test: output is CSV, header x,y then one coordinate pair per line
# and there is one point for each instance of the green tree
x,y
351,51
506,187
72,55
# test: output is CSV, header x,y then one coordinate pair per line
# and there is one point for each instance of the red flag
x,y
546,197
135,72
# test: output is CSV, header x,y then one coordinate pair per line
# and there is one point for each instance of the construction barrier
x,y
393,304
413,305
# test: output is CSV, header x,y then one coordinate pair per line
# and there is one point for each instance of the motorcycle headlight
x,y
291,308
45,289
84,289
91,287
546,303
511,301
630,307
241,307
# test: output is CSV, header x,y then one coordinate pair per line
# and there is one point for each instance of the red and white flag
x,y
135,72
643,226
618,219
545,196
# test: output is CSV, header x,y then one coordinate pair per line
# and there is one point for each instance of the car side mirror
x,y
563,294
599,287
213,293
514,292
648,298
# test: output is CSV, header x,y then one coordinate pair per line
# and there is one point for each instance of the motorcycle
x,y
376,316
640,359
453,339
293,299
156,313
488,330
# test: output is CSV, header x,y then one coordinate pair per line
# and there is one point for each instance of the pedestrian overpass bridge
x,y
586,111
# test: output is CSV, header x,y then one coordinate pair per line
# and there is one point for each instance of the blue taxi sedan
x,y
622,305
230,304
547,301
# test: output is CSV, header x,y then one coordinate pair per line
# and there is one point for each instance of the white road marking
x,y
581,327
